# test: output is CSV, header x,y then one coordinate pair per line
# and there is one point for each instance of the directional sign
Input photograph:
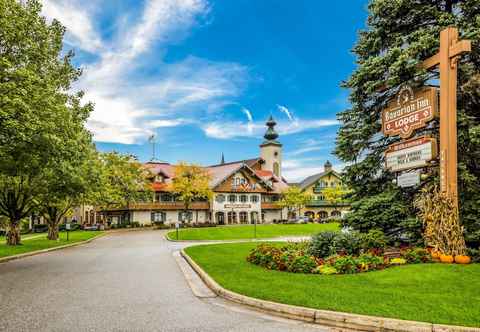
x,y
410,154
410,110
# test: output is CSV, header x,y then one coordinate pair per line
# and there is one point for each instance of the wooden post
x,y
450,49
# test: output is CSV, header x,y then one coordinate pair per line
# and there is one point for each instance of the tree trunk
x,y
52,231
13,233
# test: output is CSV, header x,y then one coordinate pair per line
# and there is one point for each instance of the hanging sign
x,y
410,154
410,110
409,179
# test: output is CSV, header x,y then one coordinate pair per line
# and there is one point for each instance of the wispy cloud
x,y
130,105
296,170
237,129
285,111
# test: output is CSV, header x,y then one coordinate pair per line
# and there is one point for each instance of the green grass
x,y
43,243
247,231
437,293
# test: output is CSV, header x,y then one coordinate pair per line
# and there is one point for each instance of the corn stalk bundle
x,y
441,221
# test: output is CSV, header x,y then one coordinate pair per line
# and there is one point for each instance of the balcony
x,y
317,202
166,206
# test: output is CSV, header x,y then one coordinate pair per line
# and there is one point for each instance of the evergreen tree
x,y
400,34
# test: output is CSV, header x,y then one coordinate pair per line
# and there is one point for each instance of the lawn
x,y
437,293
42,242
247,231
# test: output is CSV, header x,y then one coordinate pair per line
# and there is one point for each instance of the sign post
x,y
450,50
67,228
177,226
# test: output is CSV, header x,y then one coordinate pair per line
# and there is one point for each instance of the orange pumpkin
x,y
446,258
435,254
462,259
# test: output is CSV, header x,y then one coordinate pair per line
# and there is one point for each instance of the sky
x,y
203,76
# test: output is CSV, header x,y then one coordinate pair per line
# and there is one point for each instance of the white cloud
x,y
129,105
78,21
286,111
296,170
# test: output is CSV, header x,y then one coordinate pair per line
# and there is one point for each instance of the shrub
x,y
474,254
40,228
326,270
367,262
344,264
374,239
348,243
301,264
398,261
323,244
416,255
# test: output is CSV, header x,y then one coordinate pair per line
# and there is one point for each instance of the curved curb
x,y
38,252
325,317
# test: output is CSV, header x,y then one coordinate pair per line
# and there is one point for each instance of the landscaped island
x,y
247,231
439,293
33,243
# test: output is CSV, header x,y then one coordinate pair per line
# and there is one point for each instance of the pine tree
x,y
399,35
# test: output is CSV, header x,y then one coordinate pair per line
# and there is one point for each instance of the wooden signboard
x,y
410,154
410,110
409,179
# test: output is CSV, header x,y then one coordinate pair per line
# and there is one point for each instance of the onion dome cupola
x,y
271,135
327,166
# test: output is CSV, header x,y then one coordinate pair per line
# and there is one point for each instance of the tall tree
x,y
191,183
335,195
294,199
35,109
399,35
122,181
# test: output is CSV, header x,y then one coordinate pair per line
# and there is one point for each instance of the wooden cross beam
x,y
450,49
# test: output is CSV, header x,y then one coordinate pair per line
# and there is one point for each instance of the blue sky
x,y
204,75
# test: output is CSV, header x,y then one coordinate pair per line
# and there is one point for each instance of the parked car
x,y
94,227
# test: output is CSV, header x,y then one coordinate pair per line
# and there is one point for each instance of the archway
x,y
310,215
322,215
336,214
232,217
220,218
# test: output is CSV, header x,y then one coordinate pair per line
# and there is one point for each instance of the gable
x,y
325,180
241,181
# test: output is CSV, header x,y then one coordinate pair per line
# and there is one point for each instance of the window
x,y
336,213
243,198
166,198
220,198
254,199
185,216
232,198
159,216
243,217
275,198
276,169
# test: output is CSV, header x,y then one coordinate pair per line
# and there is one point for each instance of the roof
x,y
219,173
315,177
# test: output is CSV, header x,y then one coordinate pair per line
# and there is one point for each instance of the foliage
x,y
443,231
191,183
348,243
122,180
398,261
399,35
336,195
323,244
474,254
294,199
387,212
416,255
374,239
326,270
343,264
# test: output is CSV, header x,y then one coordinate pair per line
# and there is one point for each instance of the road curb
x,y
38,252
325,317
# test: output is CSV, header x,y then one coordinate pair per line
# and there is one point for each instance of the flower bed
x,y
334,253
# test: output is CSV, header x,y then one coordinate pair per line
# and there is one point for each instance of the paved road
x,y
121,282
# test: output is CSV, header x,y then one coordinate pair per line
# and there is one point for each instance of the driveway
x,y
121,282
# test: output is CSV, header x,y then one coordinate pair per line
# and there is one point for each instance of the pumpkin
x,y
446,258
435,254
462,259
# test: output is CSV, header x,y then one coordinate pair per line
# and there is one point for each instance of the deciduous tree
x,y
294,199
191,183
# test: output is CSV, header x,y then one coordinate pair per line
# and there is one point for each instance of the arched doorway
x,y
310,215
220,218
322,215
243,216
232,217
336,214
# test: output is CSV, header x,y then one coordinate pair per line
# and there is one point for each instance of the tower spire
x,y
223,159
271,135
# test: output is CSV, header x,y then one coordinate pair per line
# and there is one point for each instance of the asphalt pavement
x,y
126,281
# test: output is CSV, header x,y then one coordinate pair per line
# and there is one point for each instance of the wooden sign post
x,y
450,49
